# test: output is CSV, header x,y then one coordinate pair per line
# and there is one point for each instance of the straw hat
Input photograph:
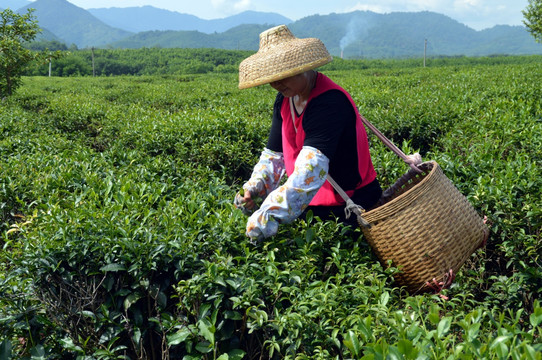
x,y
281,55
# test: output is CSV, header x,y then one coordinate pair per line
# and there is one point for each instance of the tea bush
x,y
120,240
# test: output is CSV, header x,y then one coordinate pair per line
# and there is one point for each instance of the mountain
x,y
510,37
248,17
403,34
363,34
149,18
355,34
46,35
73,24
242,37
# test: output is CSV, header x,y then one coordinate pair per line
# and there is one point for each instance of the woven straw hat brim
x,y
282,61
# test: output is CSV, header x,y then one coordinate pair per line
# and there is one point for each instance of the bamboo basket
x,y
425,227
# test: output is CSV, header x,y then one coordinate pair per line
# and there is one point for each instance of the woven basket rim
x,y
373,213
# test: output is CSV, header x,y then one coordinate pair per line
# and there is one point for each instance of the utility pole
x,y
424,51
93,69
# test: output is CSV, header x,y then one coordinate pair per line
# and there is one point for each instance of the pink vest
x,y
292,142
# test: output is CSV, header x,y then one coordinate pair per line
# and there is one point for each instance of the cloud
x,y
218,3
467,4
400,5
482,14
367,7
229,6
242,5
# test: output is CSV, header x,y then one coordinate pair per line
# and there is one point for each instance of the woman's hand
x,y
414,160
245,202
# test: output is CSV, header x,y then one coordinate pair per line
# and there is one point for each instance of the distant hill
x,y
73,24
363,34
46,35
250,18
146,18
513,38
242,37
403,34
149,18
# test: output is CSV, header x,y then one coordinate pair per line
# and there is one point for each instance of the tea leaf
x,y
179,337
352,343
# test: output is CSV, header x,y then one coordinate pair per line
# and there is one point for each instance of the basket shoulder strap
x,y
388,143
351,207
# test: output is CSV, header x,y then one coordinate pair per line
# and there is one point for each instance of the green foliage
x,y
15,30
119,239
533,19
53,45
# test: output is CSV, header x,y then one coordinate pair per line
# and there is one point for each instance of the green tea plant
x,y
120,240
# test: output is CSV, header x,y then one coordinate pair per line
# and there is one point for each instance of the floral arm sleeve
x,y
265,177
287,202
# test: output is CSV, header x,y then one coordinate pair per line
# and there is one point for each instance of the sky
x,y
477,14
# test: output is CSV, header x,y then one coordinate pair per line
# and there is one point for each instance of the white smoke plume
x,y
356,29
351,34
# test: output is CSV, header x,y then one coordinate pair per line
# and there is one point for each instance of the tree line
x,y
177,61
144,61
